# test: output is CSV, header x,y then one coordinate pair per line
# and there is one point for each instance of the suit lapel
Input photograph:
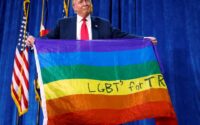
x,y
95,28
73,28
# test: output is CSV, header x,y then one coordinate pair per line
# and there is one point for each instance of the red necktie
x,y
84,30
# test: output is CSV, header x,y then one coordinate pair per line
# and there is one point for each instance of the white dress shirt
x,y
78,27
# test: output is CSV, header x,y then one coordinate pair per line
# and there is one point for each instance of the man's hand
x,y
30,41
153,39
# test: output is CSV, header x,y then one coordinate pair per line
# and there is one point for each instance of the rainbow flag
x,y
101,82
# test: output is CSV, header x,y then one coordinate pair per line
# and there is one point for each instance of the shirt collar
x,y
79,18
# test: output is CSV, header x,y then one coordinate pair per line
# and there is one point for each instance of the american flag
x,y
44,18
20,76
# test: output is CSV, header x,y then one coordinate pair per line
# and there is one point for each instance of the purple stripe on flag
x,y
44,45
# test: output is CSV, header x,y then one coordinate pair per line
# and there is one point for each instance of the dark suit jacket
x,y
101,29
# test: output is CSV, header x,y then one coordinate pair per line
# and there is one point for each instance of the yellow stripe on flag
x,y
68,87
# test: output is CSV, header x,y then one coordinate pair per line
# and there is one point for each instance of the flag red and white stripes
x,y
20,80
20,75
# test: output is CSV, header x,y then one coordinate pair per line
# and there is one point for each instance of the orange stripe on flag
x,y
76,103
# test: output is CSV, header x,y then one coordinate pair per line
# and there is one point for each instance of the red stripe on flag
x,y
166,121
25,79
114,116
25,99
24,57
15,94
16,78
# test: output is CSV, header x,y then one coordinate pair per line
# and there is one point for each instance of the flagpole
x,y
38,114
37,97
17,119
66,7
42,15
36,84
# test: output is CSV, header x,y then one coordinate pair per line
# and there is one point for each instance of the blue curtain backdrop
x,y
175,23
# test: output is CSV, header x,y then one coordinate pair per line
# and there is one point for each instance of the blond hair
x,y
73,1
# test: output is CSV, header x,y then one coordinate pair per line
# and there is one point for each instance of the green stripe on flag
x,y
51,74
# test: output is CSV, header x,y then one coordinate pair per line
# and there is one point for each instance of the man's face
x,y
82,7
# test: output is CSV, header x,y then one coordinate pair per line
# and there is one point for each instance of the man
x,y
85,27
